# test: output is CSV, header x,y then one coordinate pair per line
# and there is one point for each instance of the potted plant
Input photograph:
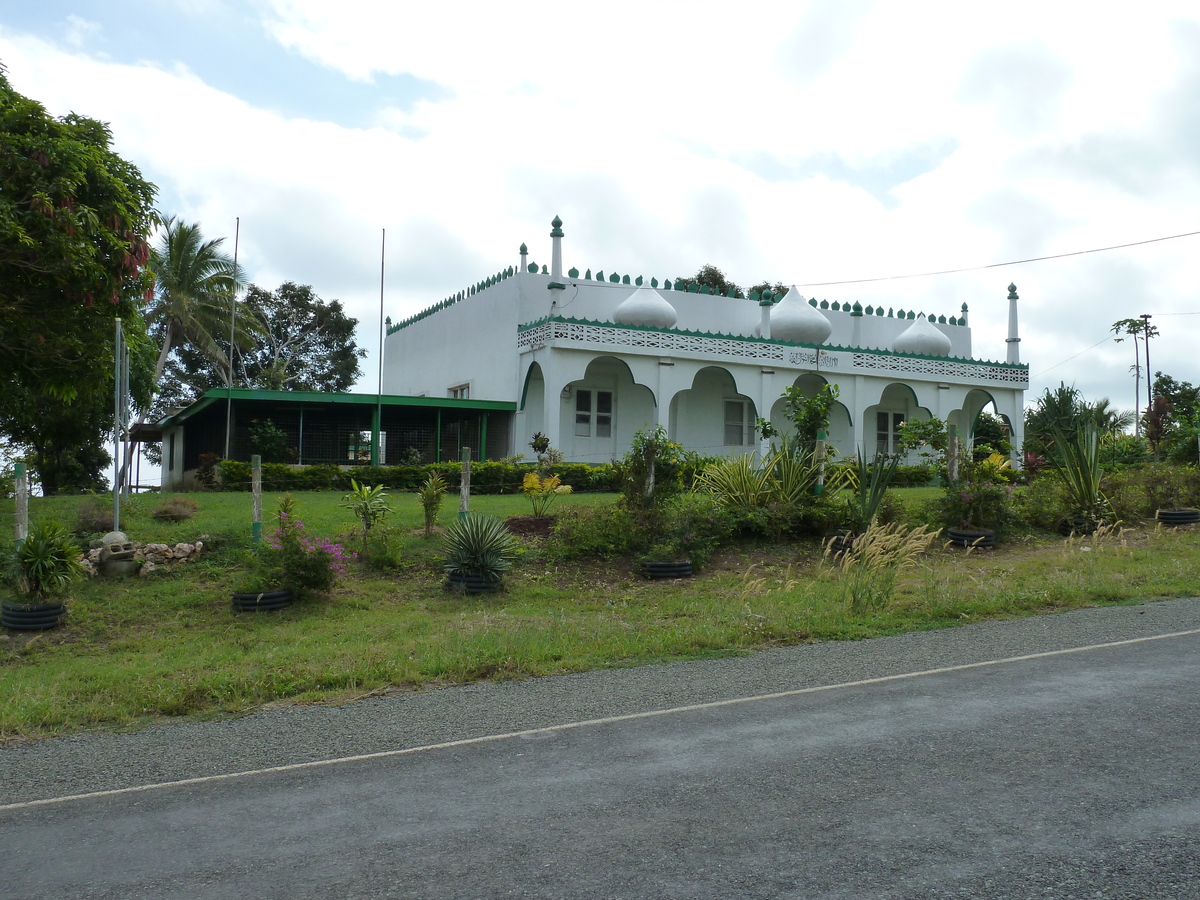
x,y
685,530
46,564
975,505
479,550
290,564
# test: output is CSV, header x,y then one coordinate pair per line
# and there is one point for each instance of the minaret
x,y
764,307
524,260
556,252
1014,342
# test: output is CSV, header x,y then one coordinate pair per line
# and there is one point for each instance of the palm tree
x,y
193,293
1107,419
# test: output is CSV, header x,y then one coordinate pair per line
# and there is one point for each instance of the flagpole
x,y
237,233
379,393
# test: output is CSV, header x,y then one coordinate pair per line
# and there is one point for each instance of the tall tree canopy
x,y
298,342
73,220
73,223
714,278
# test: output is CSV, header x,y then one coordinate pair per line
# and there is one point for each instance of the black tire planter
x,y
1178,516
262,601
971,537
677,569
31,616
841,544
471,584
1081,527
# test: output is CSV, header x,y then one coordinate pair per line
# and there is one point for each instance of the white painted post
x,y
819,487
256,490
464,486
651,453
952,453
21,527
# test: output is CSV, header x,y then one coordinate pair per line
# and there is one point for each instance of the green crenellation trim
x,y
458,297
537,323
667,285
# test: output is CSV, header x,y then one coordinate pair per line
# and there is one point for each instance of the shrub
x,y
369,505
208,470
384,548
94,516
292,559
270,442
1139,493
542,491
581,531
47,562
177,509
652,450
689,526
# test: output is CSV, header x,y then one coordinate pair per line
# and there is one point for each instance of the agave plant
x,y
479,546
869,481
1077,457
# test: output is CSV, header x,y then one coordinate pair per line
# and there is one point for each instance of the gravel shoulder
x,y
289,734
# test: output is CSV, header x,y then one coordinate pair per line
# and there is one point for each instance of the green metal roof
x,y
217,395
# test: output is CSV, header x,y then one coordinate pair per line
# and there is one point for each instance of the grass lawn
x,y
168,644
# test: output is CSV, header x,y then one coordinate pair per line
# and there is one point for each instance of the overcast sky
x,y
801,142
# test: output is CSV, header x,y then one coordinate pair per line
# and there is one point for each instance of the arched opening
x,y
531,415
602,411
840,433
882,422
712,418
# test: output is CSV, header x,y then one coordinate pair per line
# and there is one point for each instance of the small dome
x,y
921,337
792,319
645,306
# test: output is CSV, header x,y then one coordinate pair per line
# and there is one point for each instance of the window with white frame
x,y
593,413
739,423
461,392
887,432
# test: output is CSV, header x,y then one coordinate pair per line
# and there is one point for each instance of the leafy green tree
x,y
808,416
303,343
297,342
714,278
73,253
778,288
1173,422
1062,409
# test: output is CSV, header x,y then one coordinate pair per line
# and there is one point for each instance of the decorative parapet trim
x,y
540,333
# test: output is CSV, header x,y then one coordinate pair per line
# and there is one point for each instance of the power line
x,y
1069,358
1015,262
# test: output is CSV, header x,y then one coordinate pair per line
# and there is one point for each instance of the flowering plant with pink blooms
x,y
298,561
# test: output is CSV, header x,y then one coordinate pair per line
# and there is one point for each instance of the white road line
x,y
586,723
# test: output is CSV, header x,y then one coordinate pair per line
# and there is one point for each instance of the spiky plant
x,y
47,562
432,493
481,546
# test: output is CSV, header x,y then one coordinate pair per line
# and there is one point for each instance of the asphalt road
x,y
1048,757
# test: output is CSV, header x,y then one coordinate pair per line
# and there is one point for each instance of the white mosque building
x,y
591,359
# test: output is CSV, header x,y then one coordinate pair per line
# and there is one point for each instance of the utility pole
x,y
1145,317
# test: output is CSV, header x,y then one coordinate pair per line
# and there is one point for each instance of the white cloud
x,y
800,144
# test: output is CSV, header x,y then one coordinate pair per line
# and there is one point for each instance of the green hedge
x,y
486,477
